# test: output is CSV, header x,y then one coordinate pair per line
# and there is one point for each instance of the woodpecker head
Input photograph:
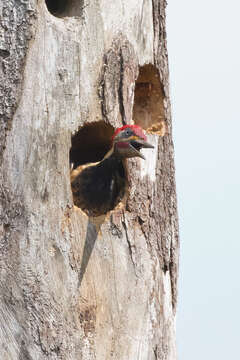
x,y
128,141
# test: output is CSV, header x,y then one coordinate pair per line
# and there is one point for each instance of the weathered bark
x,y
73,287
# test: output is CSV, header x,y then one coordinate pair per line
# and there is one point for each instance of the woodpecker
x,y
97,188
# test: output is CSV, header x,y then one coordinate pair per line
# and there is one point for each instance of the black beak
x,y
138,144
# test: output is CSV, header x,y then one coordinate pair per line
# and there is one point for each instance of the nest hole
x,y
148,108
97,188
65,8
91,143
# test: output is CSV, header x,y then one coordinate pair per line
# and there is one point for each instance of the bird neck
x,y
111,154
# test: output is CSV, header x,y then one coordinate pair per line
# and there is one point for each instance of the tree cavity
x,y
97,187
148,108
65,8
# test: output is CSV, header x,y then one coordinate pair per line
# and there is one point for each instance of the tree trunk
x,y
73,286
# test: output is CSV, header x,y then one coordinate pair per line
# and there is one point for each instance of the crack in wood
x,y
129,244
120,88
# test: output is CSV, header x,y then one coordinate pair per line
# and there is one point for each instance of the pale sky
x,y
204,58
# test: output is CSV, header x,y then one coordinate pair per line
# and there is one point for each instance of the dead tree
x,y
73,286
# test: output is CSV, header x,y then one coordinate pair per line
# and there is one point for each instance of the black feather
x,y
98,188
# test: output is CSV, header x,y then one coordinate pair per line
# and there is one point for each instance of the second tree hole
x,y
64,8
148,109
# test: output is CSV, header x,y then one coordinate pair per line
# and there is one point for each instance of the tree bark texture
x,y
74,287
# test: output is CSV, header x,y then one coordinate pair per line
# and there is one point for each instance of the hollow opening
x,y
97,186
91,143
148,108
64,8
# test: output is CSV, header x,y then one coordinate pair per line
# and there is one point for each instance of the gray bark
x,y
73,287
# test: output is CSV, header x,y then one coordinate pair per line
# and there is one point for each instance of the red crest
x,y
135,128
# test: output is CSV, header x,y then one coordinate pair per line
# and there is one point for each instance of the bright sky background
x,y
204,57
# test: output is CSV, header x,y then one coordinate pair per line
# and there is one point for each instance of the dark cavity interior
x,y
65,8
91,143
